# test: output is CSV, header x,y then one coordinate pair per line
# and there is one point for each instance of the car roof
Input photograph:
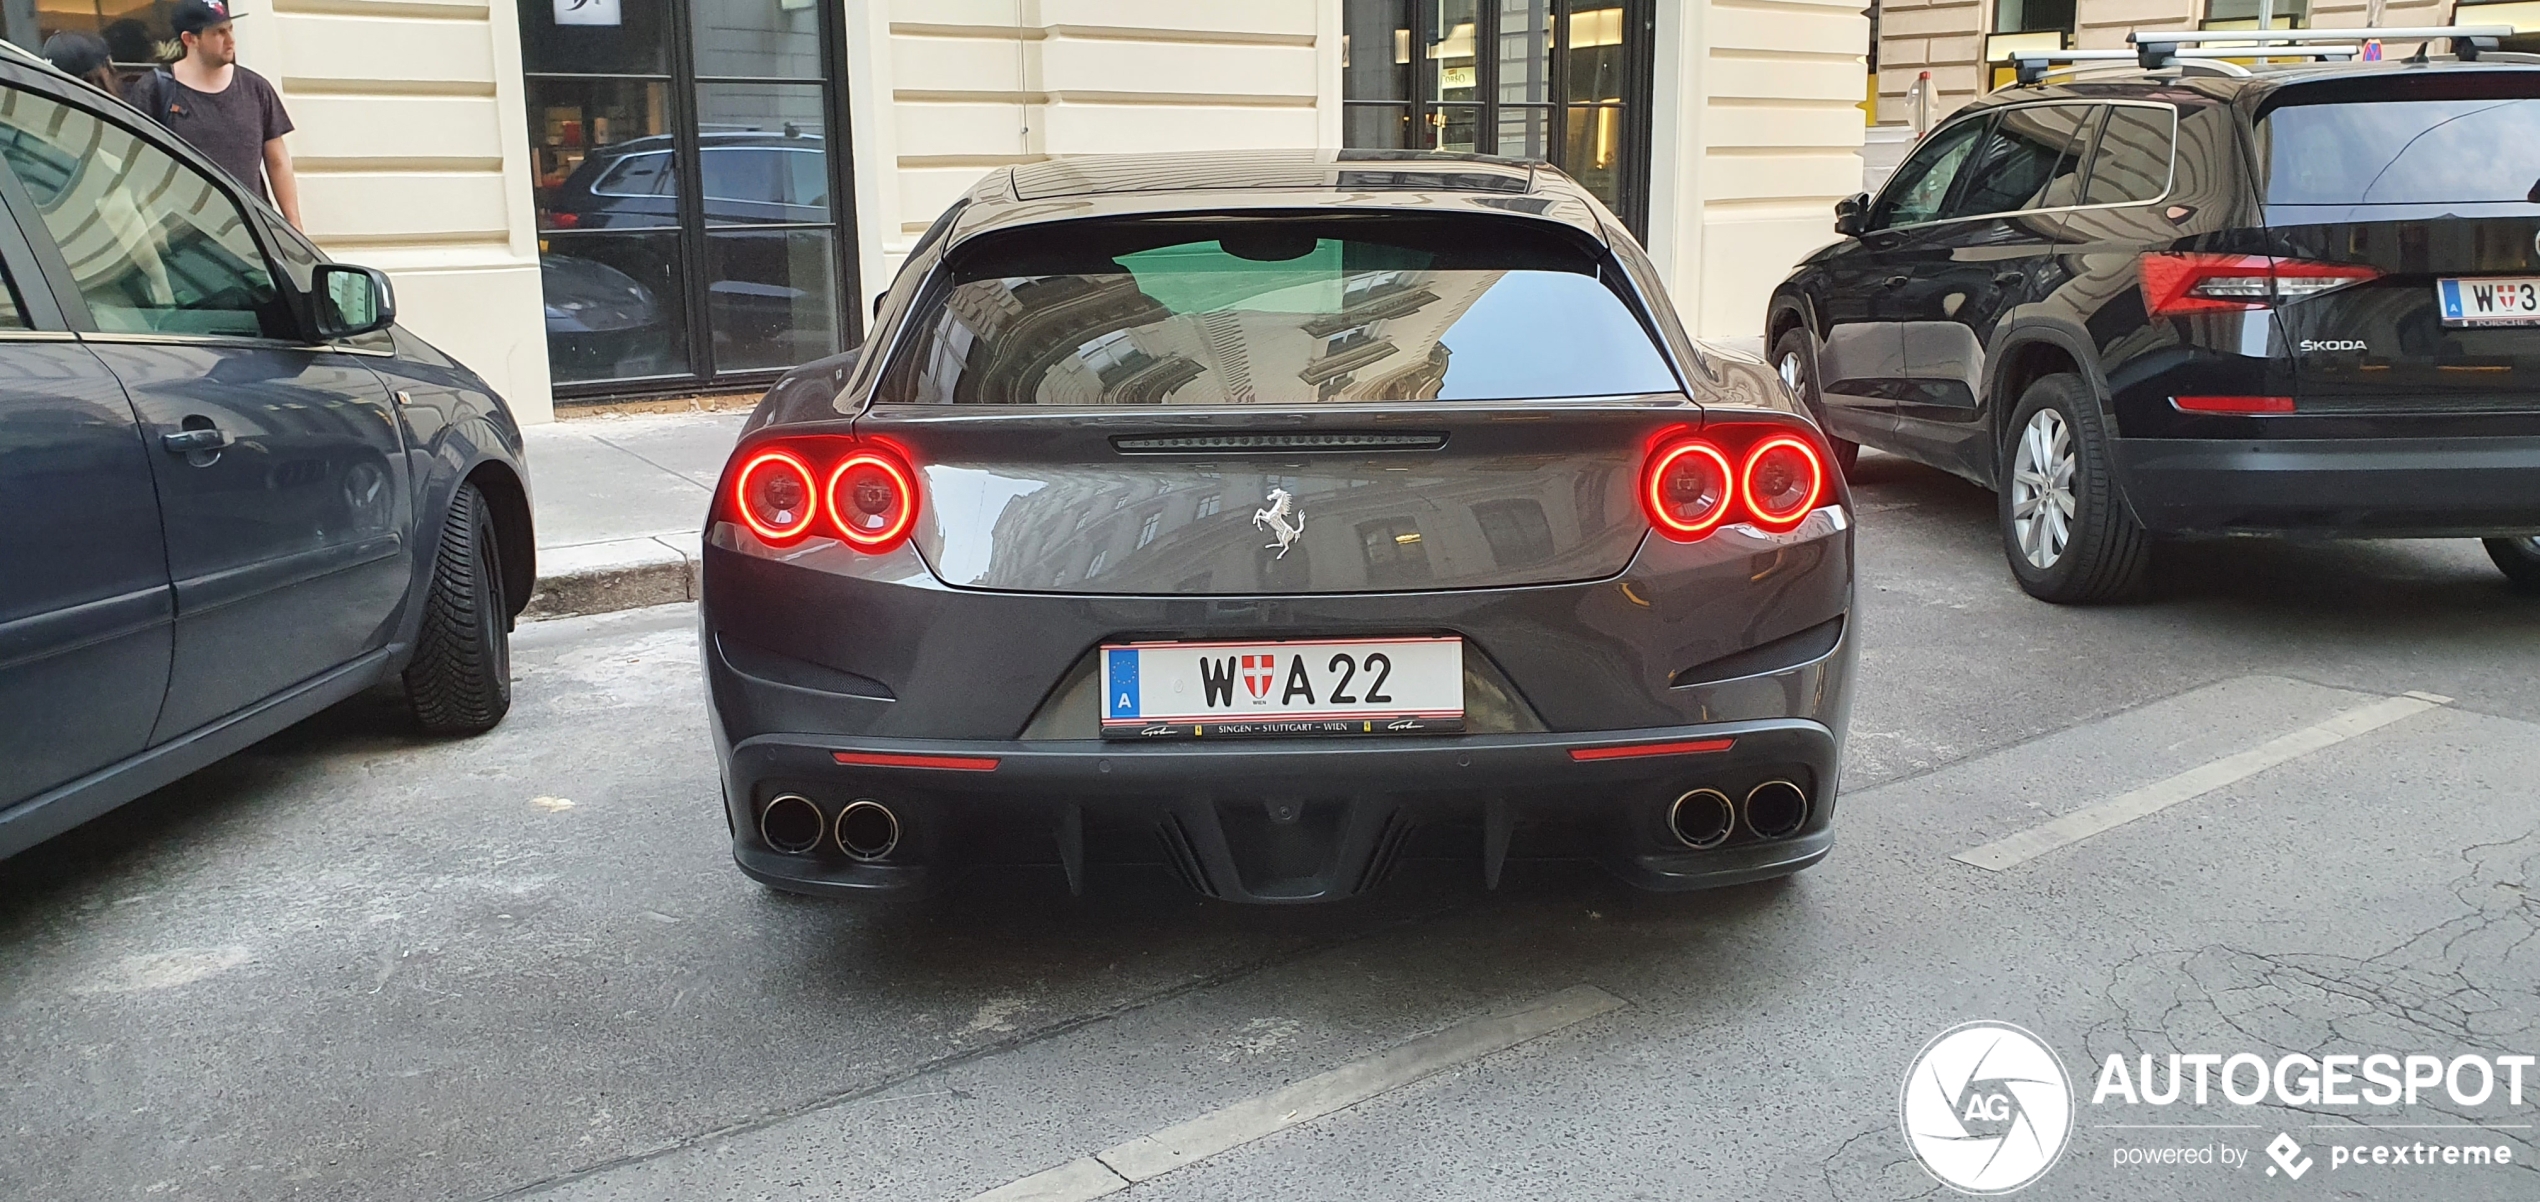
x,y
1135,185
661,143
2261,80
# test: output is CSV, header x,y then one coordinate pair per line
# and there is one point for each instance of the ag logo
x,y
1986,1108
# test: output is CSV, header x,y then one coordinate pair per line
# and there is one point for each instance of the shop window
x,y
685,176
1562,81
2243,14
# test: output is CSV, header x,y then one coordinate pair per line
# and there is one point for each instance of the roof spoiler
x,y
2160,49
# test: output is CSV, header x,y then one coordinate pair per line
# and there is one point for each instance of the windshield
x,y
2431,150
1274,312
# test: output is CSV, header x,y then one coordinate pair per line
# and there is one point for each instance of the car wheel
x,y
2518,559
461,679
1792,360
2065,530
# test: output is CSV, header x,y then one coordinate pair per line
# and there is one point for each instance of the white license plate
x,y
1283,687
2489,300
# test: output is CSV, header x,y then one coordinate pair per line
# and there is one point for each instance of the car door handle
x,y
1896,281
188,442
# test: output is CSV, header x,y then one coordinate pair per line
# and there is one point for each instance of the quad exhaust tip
x,y
791,824
867,829
1776,808
1703,818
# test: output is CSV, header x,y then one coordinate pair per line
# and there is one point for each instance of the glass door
x,y
690,192
1564,81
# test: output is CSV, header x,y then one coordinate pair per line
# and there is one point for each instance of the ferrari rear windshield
x,y
1274,311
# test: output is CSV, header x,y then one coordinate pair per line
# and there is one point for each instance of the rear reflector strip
x,y
885,759
1637,750
2232,404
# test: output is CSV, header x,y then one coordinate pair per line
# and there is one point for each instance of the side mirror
x,y
1852,214
352,301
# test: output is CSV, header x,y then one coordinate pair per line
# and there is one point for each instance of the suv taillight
x,y
1765,475
856,490
2175,284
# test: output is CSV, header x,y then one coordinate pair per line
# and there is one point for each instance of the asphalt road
x,y
358,964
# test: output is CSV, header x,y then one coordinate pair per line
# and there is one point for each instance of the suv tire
x,y
2065,530
1797,363
460,680
2518,559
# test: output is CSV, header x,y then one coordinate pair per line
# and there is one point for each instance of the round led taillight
x,y
1688,489
1783,481
872,499
775,495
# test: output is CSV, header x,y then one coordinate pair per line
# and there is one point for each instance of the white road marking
x,y
2196,782
1114,1169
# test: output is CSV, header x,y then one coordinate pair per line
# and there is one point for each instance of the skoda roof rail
x,y
2160,48
2032,66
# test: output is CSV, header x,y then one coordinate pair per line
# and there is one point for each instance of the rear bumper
x,y
2345,487
1292,821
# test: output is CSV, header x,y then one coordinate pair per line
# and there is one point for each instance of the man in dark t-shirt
x,y
222,109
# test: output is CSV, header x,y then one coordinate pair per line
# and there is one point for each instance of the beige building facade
x,y
524,168
1963,44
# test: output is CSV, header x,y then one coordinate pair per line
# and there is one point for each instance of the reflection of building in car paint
x,y
1370,522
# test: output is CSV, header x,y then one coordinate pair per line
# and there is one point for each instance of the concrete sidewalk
x,y
620,503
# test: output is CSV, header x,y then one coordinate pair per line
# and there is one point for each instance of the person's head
x,y
203,26
82,55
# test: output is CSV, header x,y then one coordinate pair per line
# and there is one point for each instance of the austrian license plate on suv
x,y
1283,687
2490,300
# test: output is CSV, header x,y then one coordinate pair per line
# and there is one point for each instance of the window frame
x,y
62,291
1426,114
692,233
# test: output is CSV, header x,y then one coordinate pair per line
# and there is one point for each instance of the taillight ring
x,y
1767,519
749,474
1654,500
902,480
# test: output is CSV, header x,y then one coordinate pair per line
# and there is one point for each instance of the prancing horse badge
x,y
1281,519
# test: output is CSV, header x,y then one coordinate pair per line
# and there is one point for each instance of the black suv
x,y
2292,299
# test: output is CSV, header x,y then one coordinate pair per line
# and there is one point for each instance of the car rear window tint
x,y
2405,150
2132,162
1273,312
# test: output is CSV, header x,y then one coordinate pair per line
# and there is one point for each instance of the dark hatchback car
x,y
1274,517
232,491
611,308
2213,300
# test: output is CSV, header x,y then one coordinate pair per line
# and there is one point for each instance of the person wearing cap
x,y
226,111
81,56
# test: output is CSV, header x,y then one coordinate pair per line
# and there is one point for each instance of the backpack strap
x,y
159,81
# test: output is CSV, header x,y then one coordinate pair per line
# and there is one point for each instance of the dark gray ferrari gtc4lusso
x,y
1278,516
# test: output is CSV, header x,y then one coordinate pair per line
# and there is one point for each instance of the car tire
x,y
1796,361
2518,559
2065,529
460,680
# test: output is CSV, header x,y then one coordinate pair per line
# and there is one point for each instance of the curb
x,y
626,573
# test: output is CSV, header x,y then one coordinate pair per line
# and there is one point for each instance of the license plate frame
x,y
1249,688
2469,301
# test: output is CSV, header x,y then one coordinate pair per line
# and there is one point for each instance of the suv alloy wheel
x,y
2065,529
